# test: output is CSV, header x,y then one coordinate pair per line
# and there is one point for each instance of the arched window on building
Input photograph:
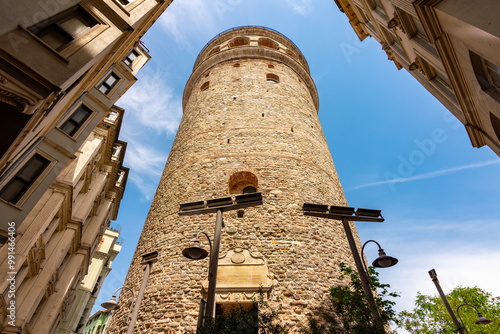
x,y
487,75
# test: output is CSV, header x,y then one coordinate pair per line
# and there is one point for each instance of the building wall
x,y
250,119
59,236
97,323
61,173
89,288
41,86
450,47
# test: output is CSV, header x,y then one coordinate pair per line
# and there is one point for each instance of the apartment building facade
x,y
452,47
86,294
63,66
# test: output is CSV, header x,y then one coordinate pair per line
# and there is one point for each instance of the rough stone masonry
x,y
250,124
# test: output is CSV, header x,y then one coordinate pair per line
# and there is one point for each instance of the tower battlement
x,y
251,42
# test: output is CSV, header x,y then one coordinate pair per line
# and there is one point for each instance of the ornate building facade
x,y
450,46
97,323
63,66
86,294
250,124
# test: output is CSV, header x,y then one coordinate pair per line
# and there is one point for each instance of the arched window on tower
x,y
270,77
268,43
239,41
205,85
243,183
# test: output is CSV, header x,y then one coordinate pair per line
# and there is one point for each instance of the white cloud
x,y
301,7
146,165
201,15
152,113
428,175
151,104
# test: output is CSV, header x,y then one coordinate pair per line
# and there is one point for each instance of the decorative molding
x,y
240,276
390,55
416,65
16,95
396,22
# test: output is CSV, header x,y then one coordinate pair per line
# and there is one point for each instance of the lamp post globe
x,y
481,320
111,304
383,260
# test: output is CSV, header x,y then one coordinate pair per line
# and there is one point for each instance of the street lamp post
x,y
147,259
217,206
383,261
346,214
113,305
460,327
481,320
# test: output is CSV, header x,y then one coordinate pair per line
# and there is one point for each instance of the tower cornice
x,y
219,51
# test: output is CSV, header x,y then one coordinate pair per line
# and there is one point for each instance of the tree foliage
x,y
350,311
430,314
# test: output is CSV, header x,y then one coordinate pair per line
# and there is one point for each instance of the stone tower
x,y
250,123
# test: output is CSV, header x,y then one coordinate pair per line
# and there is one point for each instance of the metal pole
x,y
363,275
139,298
458,326
214,261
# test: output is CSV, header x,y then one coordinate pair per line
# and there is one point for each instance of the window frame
x,y
483,78
490,66
78,40
408,21
110,89
130,5
32,184
432,73
83,123
126,59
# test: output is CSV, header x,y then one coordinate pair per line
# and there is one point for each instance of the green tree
x,y
430,315
239,320
349,311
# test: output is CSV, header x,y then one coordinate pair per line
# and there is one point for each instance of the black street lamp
x,y
195,252
382,261
481,320
217,205
148,260
346,214
460,327
113,305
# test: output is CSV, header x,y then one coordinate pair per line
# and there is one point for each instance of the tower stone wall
x,y
250,119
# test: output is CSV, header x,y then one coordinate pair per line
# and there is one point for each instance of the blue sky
x,y
395,147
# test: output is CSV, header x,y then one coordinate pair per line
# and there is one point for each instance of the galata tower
x,y
250,124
